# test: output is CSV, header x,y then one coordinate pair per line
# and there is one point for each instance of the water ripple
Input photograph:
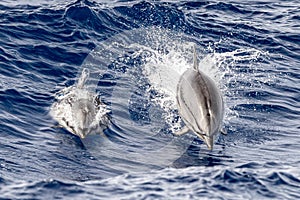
x,y
254,45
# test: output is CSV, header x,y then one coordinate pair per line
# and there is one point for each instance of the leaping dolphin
x,y
200,104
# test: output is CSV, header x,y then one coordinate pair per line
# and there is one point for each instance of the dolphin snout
x,y
83,132
209,141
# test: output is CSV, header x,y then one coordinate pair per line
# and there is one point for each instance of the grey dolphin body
x,y
87,110
200,104
79,110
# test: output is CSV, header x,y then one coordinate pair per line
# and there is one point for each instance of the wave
x,y
206,183
250,49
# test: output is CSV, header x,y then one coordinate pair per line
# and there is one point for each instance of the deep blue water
x,y
255,46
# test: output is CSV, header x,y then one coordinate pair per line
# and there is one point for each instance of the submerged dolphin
x,y
200,104
80,111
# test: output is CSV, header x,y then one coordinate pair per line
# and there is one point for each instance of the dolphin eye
x,y
208,115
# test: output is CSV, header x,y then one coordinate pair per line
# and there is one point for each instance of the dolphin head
x,y
209,139
83,112
208,133
210,123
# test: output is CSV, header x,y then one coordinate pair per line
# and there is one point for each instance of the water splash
x,y
143,111
140,70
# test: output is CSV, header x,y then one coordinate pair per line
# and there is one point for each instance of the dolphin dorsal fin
x,y
195,60
83,78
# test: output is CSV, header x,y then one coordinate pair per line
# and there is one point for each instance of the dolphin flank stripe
x,y
206,95
190,111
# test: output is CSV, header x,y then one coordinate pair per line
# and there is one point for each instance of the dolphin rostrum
x,y
200,104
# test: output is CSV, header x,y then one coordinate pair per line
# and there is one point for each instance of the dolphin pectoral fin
x,y
223,131
183,131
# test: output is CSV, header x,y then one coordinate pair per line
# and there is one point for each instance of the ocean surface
x,y
135,52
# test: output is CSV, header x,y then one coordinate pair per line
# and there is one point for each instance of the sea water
x,y
135,52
